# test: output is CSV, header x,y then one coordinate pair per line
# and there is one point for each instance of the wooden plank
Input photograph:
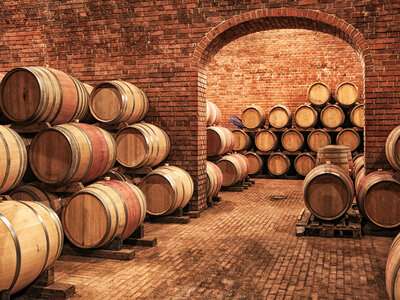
x,y
57,290
169,219
147,241
123,254
194,214
139,232
45,278
5,295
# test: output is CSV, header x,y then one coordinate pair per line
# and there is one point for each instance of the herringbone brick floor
x,y
243,248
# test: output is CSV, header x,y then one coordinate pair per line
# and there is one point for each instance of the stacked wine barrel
x,y
288,144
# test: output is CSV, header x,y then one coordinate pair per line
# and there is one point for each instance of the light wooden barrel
x,y
318,94
241,139
117,175
357,116
255,162
392,273
30,192
292,140
37,94
358,164
332,116
13,159
266,140
166,189
31,240
142,144
102,211
378,199
253,117
88,118
118,101
358,178
336,155
213,114
232,168
244,161
278,164
328,192
348,137
392,148
214,179
304,163
3,118
220,140
280,116
347,94
318,139
71,152
305,116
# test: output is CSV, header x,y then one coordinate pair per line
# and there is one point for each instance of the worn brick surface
x,y
243,248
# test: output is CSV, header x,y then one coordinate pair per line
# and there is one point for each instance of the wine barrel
x,y
244,161
336,155
31,241
348,137
117,101
213,114
332,116
102,211
304,163
318,94
328,192
266,140
241,139
392,273
214,179
358,164
28,176
318,139
88,118
71,152
358,178
142,144
253,117
305,116
117,175
3,118
30,192
220,140
378,199
280,116
37,94
13,159
278,164
232,168
357,116
255,162
392,148
166,189
292,140
347,94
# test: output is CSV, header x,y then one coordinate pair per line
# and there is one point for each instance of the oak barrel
x,y
292,140
30,192
38,94
378,199
278,164
318,94
392,273
232,168
241,139
255,162
31,240
213,114
244,161
166,189
304,163
336,154
357,116
13,159
71,152
346,94
332,116
358,178
102,211
142,144
317,139
3,118
220,140
358,164
348,137
118,101
89,119
328,192
214,179
305,116
266,140
280,116
253,117
392,148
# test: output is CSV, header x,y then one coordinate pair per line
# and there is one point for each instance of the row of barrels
x,y
346,94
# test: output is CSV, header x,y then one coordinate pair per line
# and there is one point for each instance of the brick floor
x,y
245,247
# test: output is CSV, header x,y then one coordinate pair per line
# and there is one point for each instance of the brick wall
x,y
165,46
276,67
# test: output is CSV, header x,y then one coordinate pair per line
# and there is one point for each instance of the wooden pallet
x,y
177,217
237,187
347,226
